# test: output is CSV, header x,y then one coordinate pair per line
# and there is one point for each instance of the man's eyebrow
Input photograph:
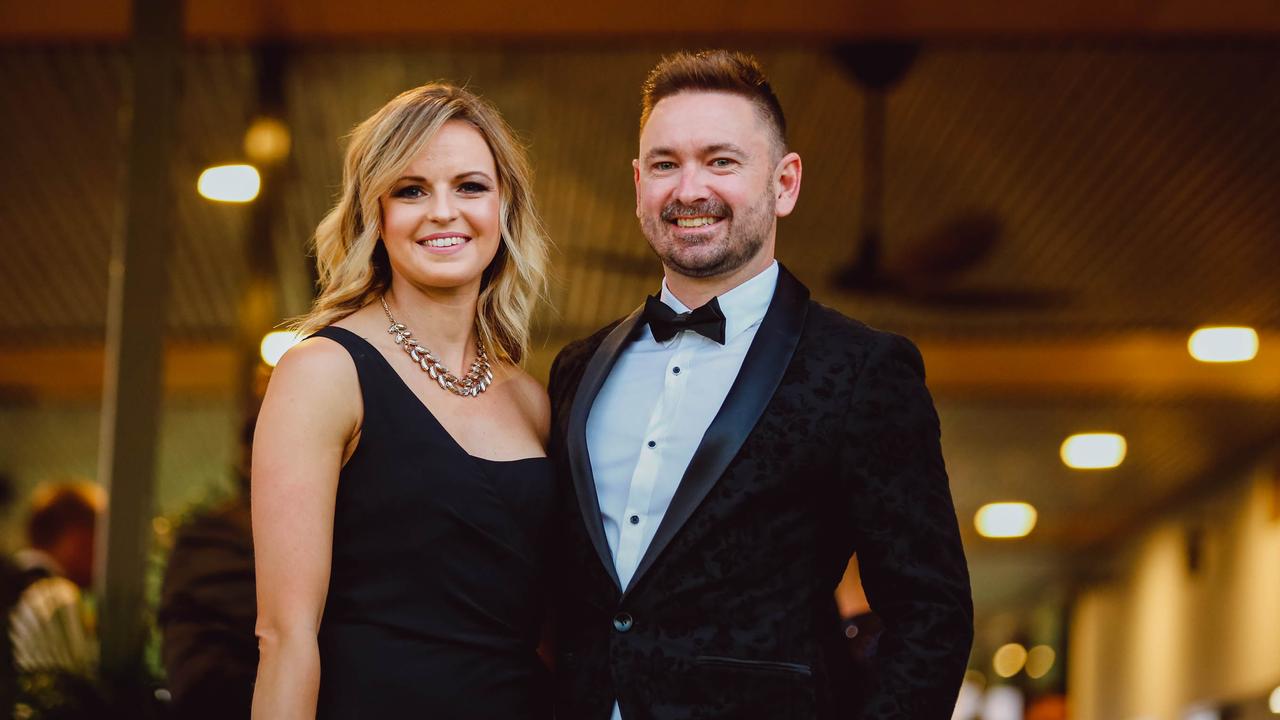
x,y
707,150
724,148
658,152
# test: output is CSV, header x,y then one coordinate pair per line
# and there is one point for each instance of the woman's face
x,y
441,219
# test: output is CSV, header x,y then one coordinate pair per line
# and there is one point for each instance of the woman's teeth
x,y
694,222
445,242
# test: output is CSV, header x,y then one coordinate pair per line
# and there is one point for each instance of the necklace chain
x,y
477,380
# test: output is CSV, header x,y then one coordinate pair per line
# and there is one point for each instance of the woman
x,y
400,489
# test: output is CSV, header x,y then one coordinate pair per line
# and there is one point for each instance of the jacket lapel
x,y
762,370
579,460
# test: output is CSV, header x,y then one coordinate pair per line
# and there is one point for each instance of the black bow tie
x,y
664,323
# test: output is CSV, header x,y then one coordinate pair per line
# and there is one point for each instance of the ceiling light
x,y
267,141
1039,661
1094,451
276,344
1005,519
1223,344
1009,659
230,183
1274,701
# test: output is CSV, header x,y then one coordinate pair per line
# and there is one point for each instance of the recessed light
x,y
275,344
230,183
1005,519
1094,451
1223,344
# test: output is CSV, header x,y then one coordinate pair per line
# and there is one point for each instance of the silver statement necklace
x,y
477,380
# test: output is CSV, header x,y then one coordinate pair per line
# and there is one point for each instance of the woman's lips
x,y
444,243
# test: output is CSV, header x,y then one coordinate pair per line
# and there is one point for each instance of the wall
x,y
1156,636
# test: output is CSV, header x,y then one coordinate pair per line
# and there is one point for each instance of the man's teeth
x,y
695,221
445,242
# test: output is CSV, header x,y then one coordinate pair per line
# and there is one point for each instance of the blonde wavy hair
x,y
353,266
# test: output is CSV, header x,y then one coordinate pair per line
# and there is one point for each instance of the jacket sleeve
x,y
906,537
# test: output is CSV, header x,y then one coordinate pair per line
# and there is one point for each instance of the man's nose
x,y
692,187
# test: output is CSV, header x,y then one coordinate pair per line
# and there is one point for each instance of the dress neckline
x,y
418,401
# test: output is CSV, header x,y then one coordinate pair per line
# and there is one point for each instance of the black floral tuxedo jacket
x,y
827,445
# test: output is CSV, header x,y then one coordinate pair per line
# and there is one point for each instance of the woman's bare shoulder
x,y
316,380
531,396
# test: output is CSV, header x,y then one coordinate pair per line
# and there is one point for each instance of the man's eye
x,y
722,163
664,166
410,192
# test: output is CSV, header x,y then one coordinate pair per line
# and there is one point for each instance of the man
x,y
61,530
208,606
726,462
40,598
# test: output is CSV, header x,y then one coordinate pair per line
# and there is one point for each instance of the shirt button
x,y
675,371
622,622
635,519
653,444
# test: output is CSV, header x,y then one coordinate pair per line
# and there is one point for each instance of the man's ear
x,y
786,184
635,176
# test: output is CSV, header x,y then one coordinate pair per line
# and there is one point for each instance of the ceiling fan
x,y
928,271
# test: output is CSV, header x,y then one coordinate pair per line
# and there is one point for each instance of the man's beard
x,y
736,248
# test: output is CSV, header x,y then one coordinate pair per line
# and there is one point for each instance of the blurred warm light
x,y
161,525
1202,712
276,344
1274,701
1009,659
1094,451
1003,702
1039,661
969,701
975,676
1005,519
230,183
1223,344
267,141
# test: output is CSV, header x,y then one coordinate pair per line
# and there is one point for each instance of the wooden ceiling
x,y
241,20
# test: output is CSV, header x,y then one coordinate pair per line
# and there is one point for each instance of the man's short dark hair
x,y
714,71
57,509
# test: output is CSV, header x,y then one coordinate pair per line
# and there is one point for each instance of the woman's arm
x,y
309,417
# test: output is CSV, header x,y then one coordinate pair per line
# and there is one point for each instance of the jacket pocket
x,y
761,665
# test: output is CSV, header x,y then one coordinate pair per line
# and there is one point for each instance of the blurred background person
x,y
61,532
49,628
207,606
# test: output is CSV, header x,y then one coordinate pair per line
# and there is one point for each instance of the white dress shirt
x,y
652,411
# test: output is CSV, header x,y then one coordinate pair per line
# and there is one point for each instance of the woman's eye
x,y
410,192
473,188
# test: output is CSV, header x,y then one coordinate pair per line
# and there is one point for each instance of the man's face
x,y
707,191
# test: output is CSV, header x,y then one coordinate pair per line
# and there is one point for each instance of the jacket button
x,y
622,622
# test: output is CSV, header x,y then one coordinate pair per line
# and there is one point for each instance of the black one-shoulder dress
x,y
435,603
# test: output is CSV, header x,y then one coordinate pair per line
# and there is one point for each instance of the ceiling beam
x,y
1134,365
588,20
52,373
1140,364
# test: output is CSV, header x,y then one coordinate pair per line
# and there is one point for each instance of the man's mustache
x,y
706,208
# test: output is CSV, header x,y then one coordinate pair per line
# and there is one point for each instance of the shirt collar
x,y
743,306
